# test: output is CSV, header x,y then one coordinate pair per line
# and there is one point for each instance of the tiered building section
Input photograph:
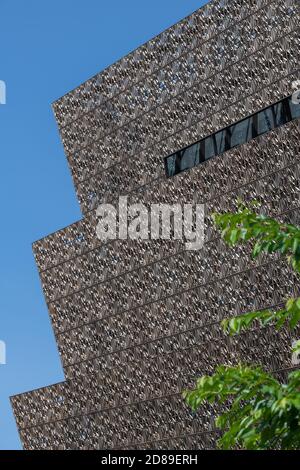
x,y
136,322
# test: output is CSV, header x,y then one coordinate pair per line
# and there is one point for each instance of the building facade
x,y
200,114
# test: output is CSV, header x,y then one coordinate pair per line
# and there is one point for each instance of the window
x,y
241,132
259,123
282,113
265,121
209,150
170,165
215,144
183,160
295,110
190,157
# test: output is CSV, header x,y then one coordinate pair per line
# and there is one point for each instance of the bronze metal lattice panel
x,y
137,322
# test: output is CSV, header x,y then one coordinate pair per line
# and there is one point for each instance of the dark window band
x,y
239,133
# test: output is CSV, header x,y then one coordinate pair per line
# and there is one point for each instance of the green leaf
x,y
268,234
296,349
234,235
261,412
268,419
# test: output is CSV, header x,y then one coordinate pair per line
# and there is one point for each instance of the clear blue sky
x,y
48,48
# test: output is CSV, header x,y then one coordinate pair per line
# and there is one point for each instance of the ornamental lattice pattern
x,y
136,322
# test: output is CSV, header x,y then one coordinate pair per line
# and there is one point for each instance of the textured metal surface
x,y
192,70
206,182
138,398
136,322
192,32
165,119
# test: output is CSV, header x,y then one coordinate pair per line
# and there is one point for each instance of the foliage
x,y
289,315
264,414
269,234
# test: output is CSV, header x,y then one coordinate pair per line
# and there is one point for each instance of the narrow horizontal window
x,y
295,110
190,157
239,133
